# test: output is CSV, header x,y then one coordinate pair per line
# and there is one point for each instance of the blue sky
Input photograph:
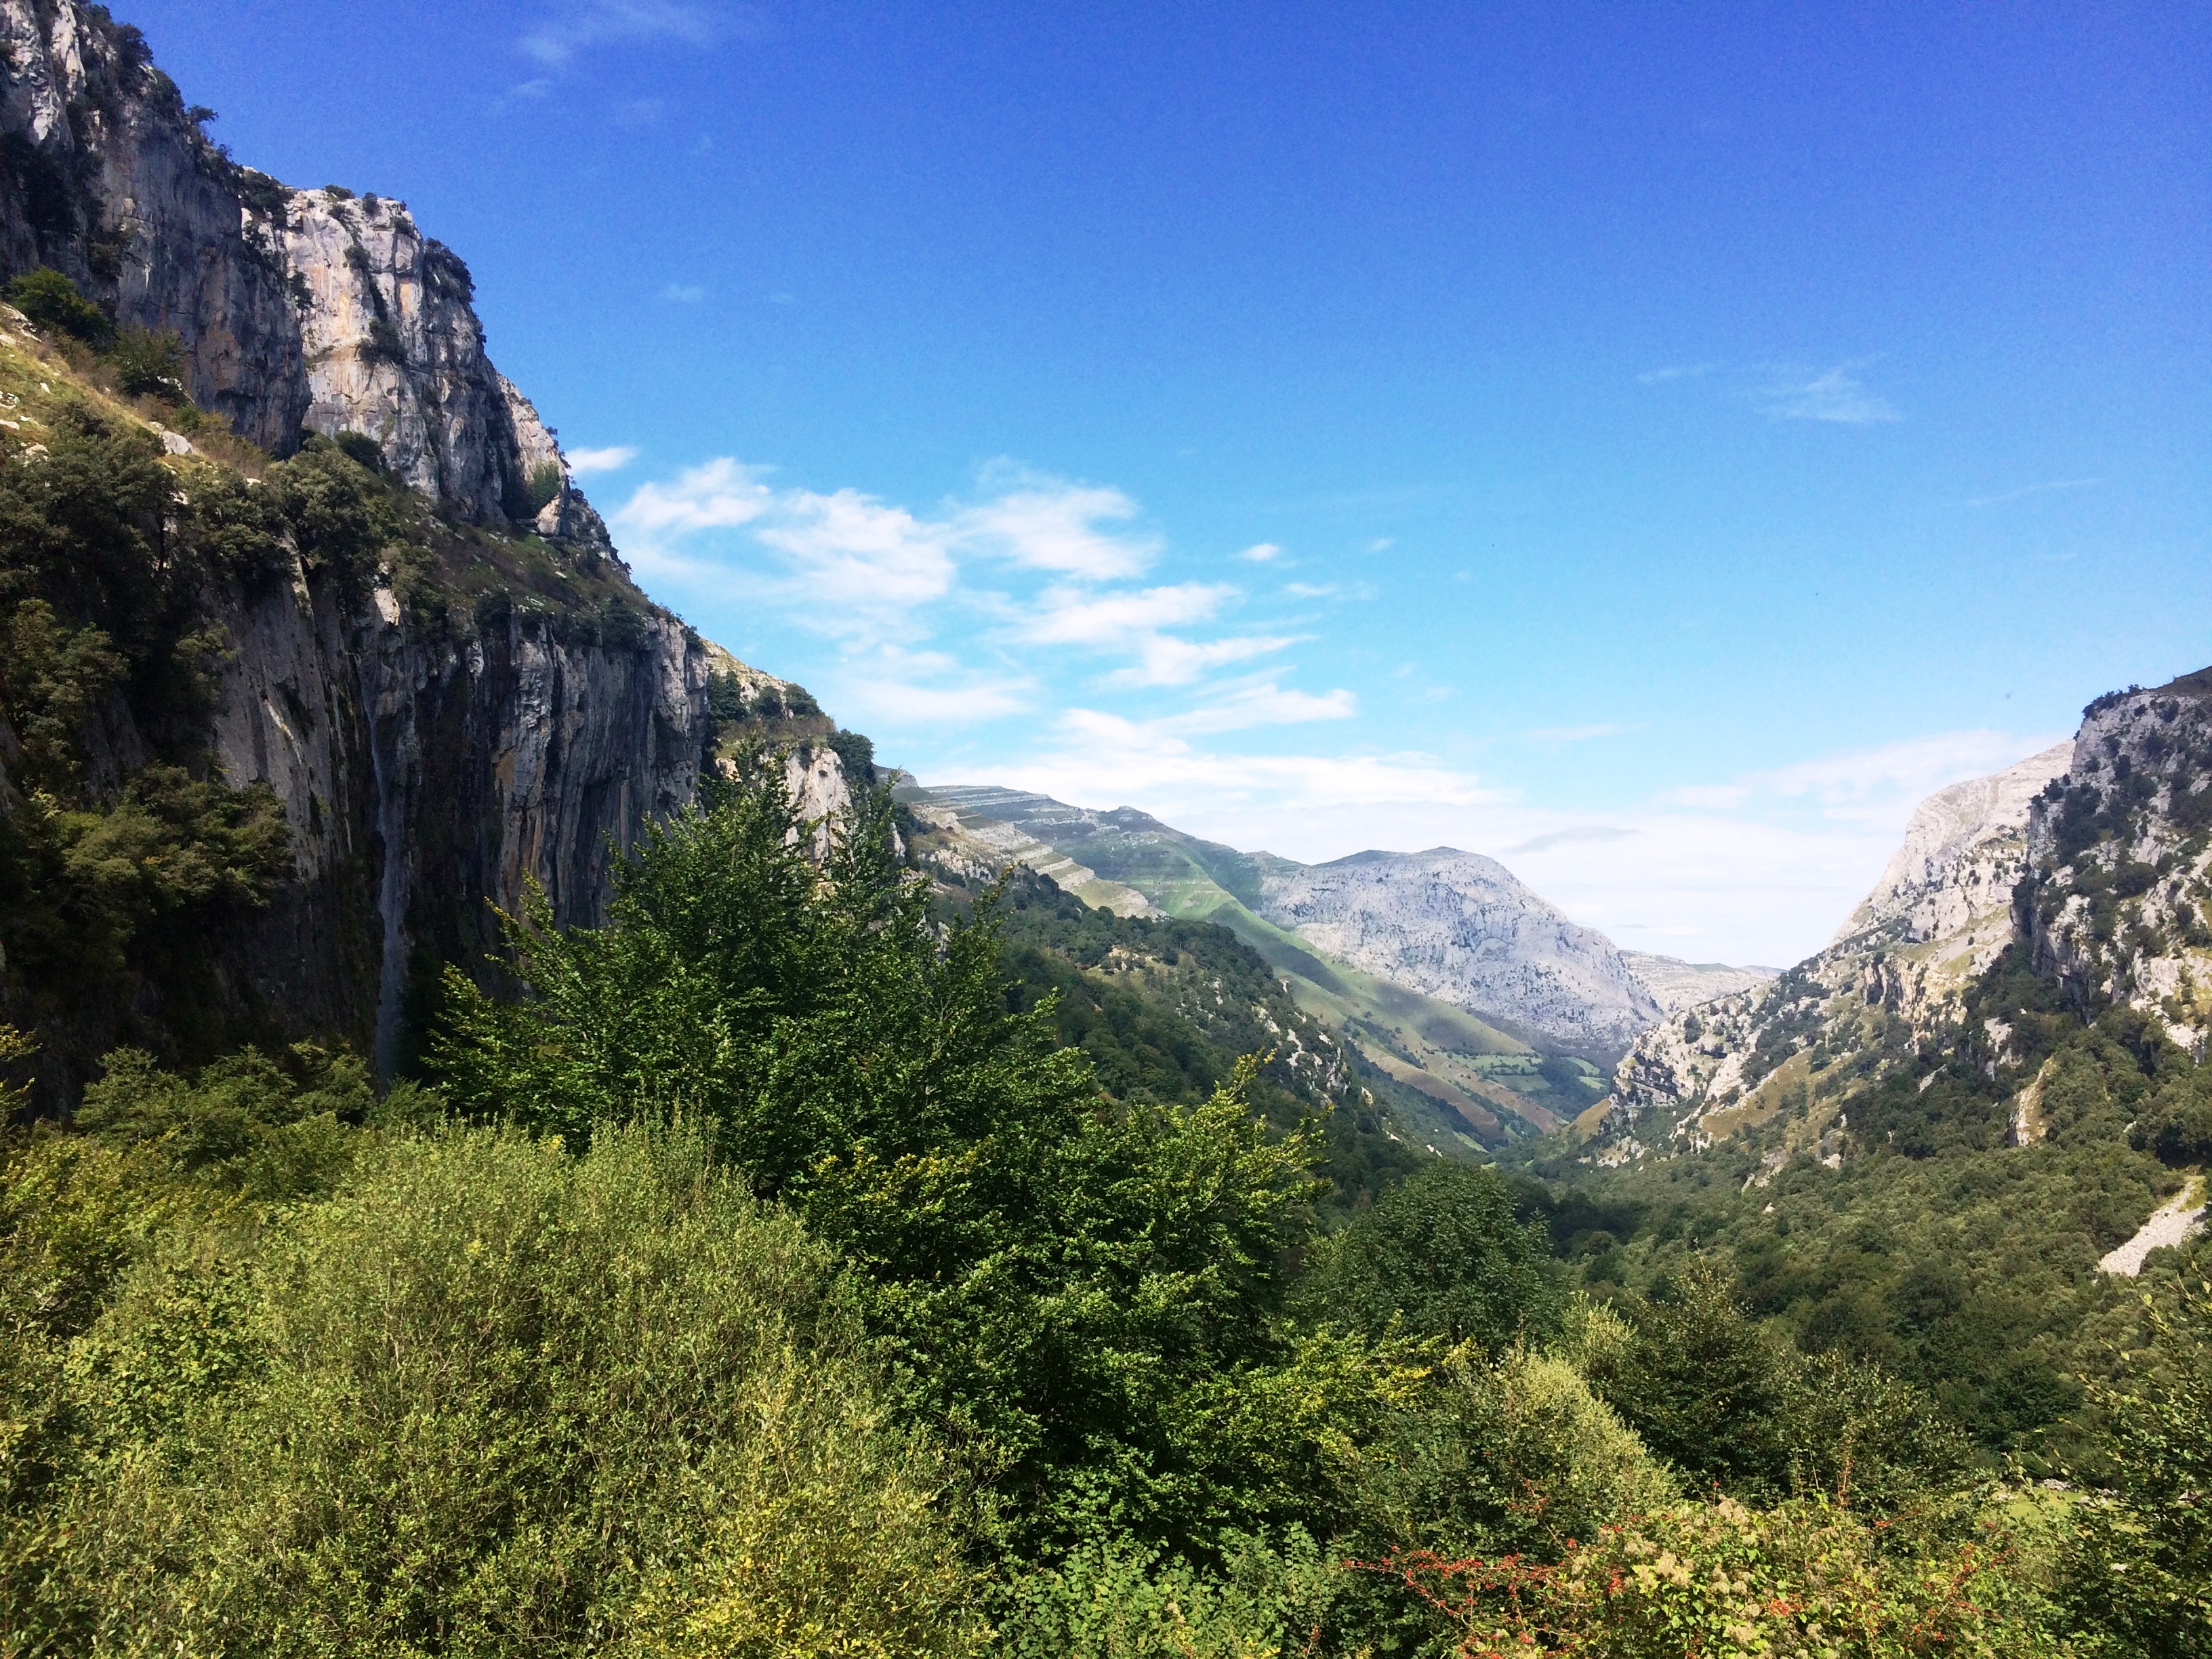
x,y
1653,445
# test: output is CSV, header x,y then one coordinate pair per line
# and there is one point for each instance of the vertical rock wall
x,y
426,774
299,311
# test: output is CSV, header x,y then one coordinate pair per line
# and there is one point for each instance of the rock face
x,y
1964,849
427,778
429,768
2120,849
1460,927
2094,858
297,310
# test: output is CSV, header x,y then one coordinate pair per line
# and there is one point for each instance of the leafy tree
x,y
1443,1254
150,364
2138,1570
1090,1298
51,301
495,1400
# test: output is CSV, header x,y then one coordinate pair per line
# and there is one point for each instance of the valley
x,y
521,1133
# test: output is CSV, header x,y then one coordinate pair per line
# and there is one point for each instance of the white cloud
x,y
857,568
1069,615
1551,838
1104,758
1133,624
1835,395
2032,490
1262,552
573,28
1865,779
1050,524
684,293
1247,705
1165,659
611,458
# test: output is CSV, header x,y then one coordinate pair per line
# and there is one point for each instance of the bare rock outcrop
x,y
2093,858
1461,929
296,310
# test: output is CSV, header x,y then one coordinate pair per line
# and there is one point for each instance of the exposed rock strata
x,y
429,768
1460,927
2093,858
296,310
2120,911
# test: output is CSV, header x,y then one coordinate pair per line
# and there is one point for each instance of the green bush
x,y
1093,1297
150,364
360,449
1443,1254
2176,1127
1123,1600
495,1399
1510,1455
51,301
2137,1575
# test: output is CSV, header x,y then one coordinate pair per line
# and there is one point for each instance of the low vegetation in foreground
x,y
769,1275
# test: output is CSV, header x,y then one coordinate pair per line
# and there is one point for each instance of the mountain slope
x,y
408,660
2086,867
1460,927
1453,927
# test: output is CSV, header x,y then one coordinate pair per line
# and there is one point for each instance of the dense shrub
x,y
2138,1569
150,364
1445,1256
51,301
495,1399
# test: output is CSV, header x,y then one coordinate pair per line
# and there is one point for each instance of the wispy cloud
x,y
1101,758
684,293
1135,623
1053,524
2021,495
1566,837
1834,395
871,572
1262,553
1867,784
858,568
1678,372
1268,704
611,458
574,29
930,687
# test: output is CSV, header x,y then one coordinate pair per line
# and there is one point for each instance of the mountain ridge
x,y
2089,864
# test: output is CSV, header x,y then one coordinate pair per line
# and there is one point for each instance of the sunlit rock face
x,y
297,310
2092,858
1461,929
432,766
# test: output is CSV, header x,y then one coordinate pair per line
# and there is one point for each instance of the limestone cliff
x,y
2092,860
494,704
2120,849
1461,928
298,311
